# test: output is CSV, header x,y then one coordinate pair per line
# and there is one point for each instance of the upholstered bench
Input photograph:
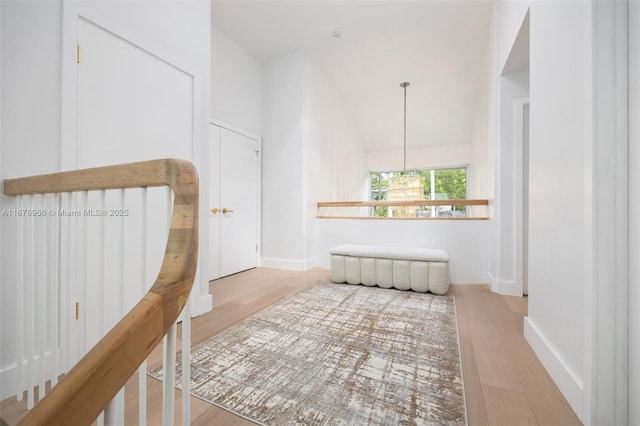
x,y
404,268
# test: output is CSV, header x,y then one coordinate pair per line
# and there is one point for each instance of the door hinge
x,y
78,53
77,310
257,152
256,248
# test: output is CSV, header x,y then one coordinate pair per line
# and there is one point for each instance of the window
x,y
434,184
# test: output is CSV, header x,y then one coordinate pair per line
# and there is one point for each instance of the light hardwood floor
x,y
505,384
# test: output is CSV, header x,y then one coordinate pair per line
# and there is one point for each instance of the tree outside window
x,y
437,184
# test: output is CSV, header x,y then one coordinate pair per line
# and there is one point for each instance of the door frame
x,y
258,139
520,156
605,396
634,205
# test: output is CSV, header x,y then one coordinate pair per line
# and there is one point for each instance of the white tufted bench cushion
x,y
404,268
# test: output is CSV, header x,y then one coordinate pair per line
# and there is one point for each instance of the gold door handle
x,y
215,210
225,211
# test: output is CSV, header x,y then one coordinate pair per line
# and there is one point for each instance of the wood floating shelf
x,y
402,218
403,203
347,205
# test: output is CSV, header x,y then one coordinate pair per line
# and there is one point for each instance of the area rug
x,y
337,354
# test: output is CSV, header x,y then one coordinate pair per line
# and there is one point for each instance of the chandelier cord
x,y
404,85
405,129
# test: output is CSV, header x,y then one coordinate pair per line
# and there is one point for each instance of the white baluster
x,y
186,363
168,391
54,269
121,250
29,302
101,265
20,311
66,277
142,371
114,412
42,287
101,253
83,278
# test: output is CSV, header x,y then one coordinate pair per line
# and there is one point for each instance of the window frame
x,y
382,195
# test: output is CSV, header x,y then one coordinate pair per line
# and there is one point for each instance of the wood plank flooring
x,y
505,384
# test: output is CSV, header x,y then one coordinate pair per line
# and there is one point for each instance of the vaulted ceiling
x,y
440,47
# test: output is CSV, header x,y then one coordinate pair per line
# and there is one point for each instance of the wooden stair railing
x,y
401,203
84,392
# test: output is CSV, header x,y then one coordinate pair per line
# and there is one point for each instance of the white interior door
x,y
132,106
239,186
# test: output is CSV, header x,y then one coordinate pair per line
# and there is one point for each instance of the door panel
x,y
239,196
132,106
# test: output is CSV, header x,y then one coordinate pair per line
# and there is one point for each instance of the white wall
x,y
504,276
236,103
180,33
509,18
333,156
34,88
558,192
311,153
508,170
3,328
335,149
30,94
420,158
236,90
577,197
283,174
306,118
31,86
335,152
481,174
180,29
464,241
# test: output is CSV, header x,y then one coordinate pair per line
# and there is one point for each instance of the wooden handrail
x,y
88,387
403,203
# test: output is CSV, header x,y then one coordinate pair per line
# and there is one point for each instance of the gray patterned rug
x,y
337,354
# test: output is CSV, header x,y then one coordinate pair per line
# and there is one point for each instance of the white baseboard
x,y
505,288
493,283
289,265
509,288
8,375
567,381
202,305
8,382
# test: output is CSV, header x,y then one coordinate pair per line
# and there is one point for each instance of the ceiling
x,y
440,47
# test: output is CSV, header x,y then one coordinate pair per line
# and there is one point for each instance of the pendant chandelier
x,y
405,187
